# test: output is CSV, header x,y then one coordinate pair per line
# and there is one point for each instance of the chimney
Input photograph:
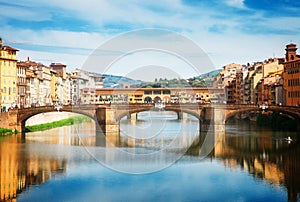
x,y
0,42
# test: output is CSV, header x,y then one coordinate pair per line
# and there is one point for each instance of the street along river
x,y
72,163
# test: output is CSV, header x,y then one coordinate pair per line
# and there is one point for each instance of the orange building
x,y
291,76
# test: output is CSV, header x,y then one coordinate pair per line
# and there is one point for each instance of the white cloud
x,y
24,13
230,45
46,58
236,3
54,37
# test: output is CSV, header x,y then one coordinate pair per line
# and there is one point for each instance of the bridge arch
x,y
110,115
25,114
190,112
157,99
291,112
48,117
233,113
131,111
286,110
166,99
148,99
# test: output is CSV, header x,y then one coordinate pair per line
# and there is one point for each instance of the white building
x,y
84,86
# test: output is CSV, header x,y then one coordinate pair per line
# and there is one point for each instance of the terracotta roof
x,y
9,48
57,64
29,63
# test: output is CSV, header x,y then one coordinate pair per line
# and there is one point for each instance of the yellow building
x,y
8,75
272,65
57,92
157,95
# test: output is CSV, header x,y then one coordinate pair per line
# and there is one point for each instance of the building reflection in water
x,y
272,159
263,156
18,171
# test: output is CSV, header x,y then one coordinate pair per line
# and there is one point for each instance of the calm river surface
x,y
155,158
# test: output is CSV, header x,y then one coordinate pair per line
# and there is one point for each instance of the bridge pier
x,y
179,115
206,116
213,119
10,120
219,119
133,116
106,120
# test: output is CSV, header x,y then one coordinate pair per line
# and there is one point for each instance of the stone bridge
x,y
108,117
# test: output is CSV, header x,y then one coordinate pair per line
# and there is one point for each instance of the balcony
x,y
21,83
22,93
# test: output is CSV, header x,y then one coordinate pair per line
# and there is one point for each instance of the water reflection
x,y
43,156
264,154
19,169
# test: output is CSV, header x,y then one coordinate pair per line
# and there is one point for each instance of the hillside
x,y
112,81
206,79
210,74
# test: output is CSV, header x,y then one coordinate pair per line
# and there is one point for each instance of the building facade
x,y
291,76
21,85
231,80
84,86
62,92
159,95
8,72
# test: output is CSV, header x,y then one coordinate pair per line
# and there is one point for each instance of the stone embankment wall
x,y
9,120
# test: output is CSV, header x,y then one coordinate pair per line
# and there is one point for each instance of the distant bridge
x,y
108,116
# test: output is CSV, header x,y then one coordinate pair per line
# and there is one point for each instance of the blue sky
x,y
238,31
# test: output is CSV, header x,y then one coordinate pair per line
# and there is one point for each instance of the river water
x,y
154,158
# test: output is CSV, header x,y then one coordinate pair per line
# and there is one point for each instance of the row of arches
x,y
157,99
24,115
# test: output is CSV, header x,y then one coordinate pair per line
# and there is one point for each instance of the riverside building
x,y
8,72
291,76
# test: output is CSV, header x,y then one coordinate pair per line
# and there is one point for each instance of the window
x,y
157,92
166,92
4,90
147,92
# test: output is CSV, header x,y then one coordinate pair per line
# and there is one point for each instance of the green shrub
x,y
60,123
5,131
